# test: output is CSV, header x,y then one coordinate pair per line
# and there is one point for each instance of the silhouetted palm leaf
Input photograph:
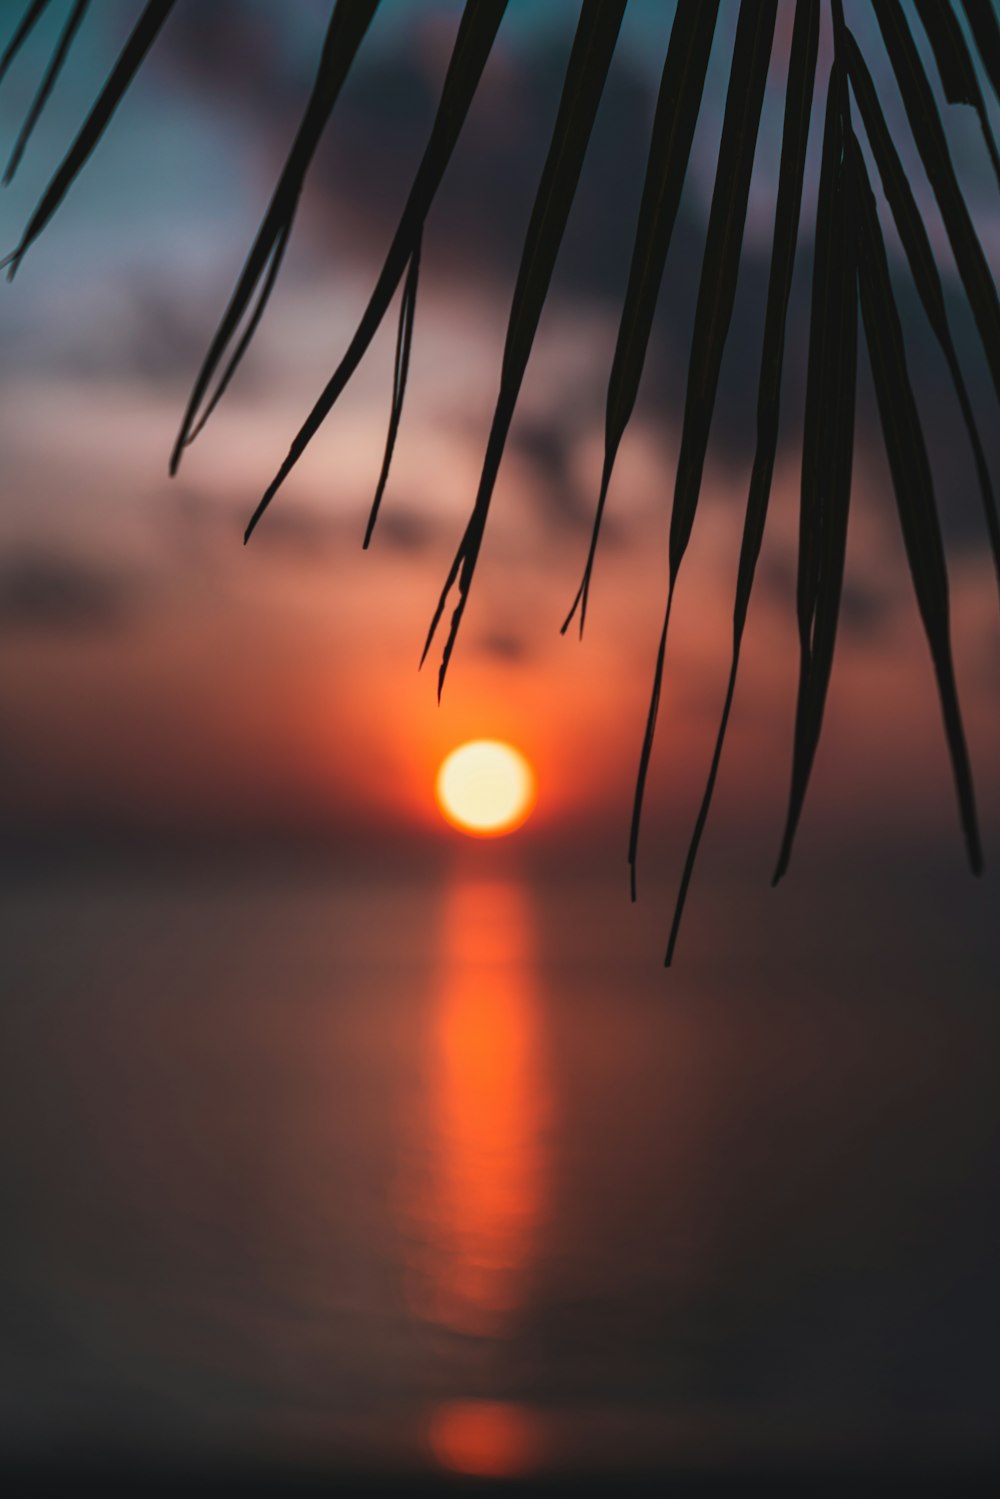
x,y
848,256
827,448
798,111
958,76
983,25
476,35
72,26
32,15
125,69
911,475
681,88
716,294
925,123
917,246
588,67
404,342
348,24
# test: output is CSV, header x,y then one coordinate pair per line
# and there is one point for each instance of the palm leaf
x,y
716,293
681,86
590,58
827,450
31,17
404,340
795,134
848,247
476,35
48,83
348,24
925,124
129,61
917,247
954,64
911,478
983,25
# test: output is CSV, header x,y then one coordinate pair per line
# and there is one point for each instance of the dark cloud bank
x,y
261,68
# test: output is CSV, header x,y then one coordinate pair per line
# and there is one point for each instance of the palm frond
x,y
827,449
129,61
52,72
986,32
923,268
348,24
849,261
590,59
476,35
681,87
404,342
29,20
955,66
925,123
795,135
911,476
716,294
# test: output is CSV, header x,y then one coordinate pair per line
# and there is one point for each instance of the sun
x,y
485,788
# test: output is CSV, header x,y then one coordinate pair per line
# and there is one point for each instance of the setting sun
x,y
485,788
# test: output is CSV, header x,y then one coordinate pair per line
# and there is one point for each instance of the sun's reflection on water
x,y
486,1438
475,1197
481,1195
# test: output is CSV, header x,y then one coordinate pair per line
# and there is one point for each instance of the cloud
x,y
546,447
503,646
61,596
305,535
247,63
253,65
866,607
294,532
244,54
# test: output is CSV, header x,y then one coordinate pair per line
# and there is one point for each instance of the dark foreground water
x,y
311,1174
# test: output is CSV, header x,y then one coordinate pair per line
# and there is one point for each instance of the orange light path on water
x,y
474,1213
485,1438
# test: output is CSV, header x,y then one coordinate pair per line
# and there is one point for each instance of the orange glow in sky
x,y
485,788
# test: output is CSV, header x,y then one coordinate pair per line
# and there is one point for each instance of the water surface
x,y
444,1173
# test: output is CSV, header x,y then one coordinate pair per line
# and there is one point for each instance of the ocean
x,y
414,1174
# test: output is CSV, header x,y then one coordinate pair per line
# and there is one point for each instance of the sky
x,y
163,684
753,1197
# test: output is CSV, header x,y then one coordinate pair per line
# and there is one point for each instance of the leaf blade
x,y
723,244
586,73
52,72
404,341
346,31
795,133
984,28
678,105
32,15
716,295
923,268
954,64
129,61
928,134
827,452
912,483
476,33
